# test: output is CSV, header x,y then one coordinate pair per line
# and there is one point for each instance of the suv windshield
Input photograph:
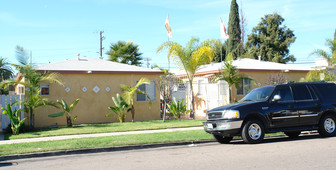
x,y
259,94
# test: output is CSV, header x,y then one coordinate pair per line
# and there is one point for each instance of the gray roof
x,y
91,65
249,64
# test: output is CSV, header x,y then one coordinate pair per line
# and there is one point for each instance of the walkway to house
x,y
2,141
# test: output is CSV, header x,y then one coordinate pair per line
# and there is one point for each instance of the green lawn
x,y
123,140
109,127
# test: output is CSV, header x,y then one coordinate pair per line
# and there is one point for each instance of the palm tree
x,y
189,59
6,72
331,57
33,100
129,94
67,109
230,74
125,52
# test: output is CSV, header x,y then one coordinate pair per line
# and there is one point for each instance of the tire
x,y
253,131
327,126
223,139
293,134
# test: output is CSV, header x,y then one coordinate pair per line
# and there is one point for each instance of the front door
x,y
283,112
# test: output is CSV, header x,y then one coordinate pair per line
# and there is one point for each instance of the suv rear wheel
x,y
327,126
253,131
223,139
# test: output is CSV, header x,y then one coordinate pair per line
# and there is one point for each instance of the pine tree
x,y
234,42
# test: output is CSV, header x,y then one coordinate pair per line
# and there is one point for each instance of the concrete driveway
x,y
306,152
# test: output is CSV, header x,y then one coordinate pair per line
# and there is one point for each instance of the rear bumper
x,y
223,127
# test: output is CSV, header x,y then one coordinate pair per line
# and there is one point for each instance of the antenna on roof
x,y
78,55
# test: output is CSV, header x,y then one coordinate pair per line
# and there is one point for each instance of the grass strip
x,y
108,127
123,140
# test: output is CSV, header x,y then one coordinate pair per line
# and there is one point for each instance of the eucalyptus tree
x,y
270,39
189,58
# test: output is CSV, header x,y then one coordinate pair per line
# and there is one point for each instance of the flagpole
x,y
168,58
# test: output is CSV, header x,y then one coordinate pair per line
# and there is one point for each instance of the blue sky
x,y
58,30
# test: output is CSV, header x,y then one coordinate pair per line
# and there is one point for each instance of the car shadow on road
x,y
280,138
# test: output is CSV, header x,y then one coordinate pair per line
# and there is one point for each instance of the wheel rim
x,y
254,131
329,125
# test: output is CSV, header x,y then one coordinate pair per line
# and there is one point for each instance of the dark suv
x,y
289,108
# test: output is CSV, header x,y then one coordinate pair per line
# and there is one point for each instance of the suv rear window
x,y
301,92
327,91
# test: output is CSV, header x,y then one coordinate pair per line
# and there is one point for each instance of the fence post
x,y
9,99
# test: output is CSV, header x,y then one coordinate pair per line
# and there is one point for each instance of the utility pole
x,y
147,60
101,44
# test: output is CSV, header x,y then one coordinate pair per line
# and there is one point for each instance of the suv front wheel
x,y
253,131
327,126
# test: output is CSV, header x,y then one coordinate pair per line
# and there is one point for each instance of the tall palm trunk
x,y
192,113
31,116
133,111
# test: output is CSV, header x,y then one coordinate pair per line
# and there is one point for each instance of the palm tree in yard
x,y
129,94
189,59
230,74
6,72
125,52
329,55
32,81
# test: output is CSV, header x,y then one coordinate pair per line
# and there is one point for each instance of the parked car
x,y
289,108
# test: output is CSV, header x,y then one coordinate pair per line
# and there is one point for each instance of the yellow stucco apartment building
x,y
95,82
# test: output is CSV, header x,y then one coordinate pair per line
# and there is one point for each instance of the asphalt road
x,y
306,152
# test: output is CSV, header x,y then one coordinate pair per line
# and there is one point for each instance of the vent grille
x,y
214,115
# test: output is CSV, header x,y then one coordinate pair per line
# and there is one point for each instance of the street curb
x,y
97,150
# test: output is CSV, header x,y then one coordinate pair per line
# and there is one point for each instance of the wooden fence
x,y
9,99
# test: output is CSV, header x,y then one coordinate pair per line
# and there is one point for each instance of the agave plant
x,y
120,109
14,117
178,108
66,111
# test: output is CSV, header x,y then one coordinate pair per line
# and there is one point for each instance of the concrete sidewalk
x,y
2,142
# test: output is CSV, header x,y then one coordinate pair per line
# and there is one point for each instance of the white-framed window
x,y
149,89
245,86
44,89
201,87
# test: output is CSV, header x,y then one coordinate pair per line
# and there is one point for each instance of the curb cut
x,y
98,150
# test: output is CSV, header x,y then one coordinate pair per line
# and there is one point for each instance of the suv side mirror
x,y
276,98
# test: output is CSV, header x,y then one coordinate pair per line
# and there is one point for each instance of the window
x,y
285,93
301,92
201,87
245,86
149,89
44,89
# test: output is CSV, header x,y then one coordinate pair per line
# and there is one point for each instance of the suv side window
x,y
285,93
301,92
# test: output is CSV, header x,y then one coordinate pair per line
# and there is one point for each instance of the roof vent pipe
x,y
259,58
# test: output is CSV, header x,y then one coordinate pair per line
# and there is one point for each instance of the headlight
x,y
230,114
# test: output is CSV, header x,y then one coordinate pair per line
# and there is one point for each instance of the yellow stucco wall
x,y
263,76
92,106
